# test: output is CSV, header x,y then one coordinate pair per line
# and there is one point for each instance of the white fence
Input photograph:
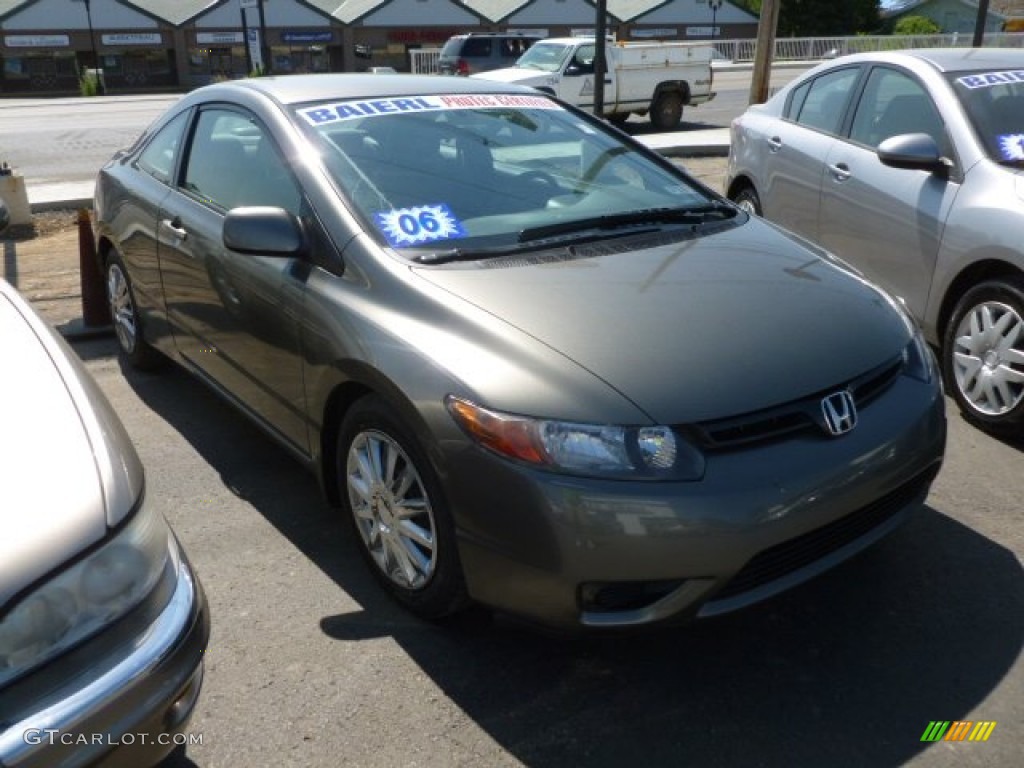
x,y
424,60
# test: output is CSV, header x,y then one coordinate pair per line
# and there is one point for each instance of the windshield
x,y
547,57
482,171
994,102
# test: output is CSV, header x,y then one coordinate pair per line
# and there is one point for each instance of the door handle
x,y
840,171
774,144
175,228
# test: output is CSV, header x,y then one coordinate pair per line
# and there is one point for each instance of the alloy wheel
x,y
392,510
122,309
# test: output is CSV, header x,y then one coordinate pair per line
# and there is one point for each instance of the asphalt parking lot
x,y
310,664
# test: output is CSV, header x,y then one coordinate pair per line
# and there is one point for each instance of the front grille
x,y
803,415
792,555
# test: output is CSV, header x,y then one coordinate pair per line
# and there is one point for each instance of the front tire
x,y
748,201
390,492
125,316
983,355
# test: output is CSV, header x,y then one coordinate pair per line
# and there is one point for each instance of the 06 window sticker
x,y
1011,146
353,110
404,227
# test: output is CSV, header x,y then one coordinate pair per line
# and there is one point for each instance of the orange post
x,y
95,310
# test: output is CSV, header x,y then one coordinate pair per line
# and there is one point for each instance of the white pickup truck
x,y
641,77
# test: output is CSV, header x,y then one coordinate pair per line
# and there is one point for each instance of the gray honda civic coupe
x,y
536,366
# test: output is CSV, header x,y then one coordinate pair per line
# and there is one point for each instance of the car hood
x,y
706,328
513,75
69,470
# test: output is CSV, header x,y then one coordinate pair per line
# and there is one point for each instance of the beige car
x,y
103,623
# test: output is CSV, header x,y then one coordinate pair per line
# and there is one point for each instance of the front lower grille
x,y
790,556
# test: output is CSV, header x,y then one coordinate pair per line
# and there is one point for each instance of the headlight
x,y
89,595
596,450
918,360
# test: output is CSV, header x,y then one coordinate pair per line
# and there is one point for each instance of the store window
x,y
299,59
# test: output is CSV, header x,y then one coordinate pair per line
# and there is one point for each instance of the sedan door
x,y
888,221
796,147
236,317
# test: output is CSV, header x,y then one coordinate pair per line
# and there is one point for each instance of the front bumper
x,y
572,552
130,707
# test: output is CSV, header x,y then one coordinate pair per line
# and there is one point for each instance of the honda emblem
x,y
840,412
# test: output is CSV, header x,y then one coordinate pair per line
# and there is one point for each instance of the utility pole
x,y
101,87
764,51
979,24
599,58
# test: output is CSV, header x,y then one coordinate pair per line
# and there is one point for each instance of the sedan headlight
x,y
92,593
595,450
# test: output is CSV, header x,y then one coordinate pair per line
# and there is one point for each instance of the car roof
x,y
952,59
298,89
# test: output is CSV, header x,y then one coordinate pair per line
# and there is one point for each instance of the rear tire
x,y
667,111
124,315
983,355
748,200
391,495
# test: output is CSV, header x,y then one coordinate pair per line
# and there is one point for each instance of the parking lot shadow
x,y
847,670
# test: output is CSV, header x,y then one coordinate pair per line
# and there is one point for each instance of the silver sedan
x,y
907,165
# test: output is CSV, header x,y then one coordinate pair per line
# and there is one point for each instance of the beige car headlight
x,y
81,600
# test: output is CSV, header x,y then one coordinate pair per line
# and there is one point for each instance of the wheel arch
x,y
989,268
672,86
352,381
738,184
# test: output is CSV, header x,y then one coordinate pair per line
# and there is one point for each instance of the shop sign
x,y
37,41
219,38
307,37
132,38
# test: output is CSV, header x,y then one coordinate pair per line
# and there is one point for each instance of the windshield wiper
x,y
694,216
465,254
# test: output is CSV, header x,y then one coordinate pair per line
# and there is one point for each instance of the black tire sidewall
x,y
658,113
444,593
1007,290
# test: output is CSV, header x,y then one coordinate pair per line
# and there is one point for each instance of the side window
x,y
894,103
159,156
822,108
234,162
475,47
796,101
584,59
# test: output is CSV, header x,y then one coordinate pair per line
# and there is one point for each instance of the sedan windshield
x,y
478,172
994,101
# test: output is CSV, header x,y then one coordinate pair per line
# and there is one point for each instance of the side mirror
x,y
572,70
263,231
5,217
913,151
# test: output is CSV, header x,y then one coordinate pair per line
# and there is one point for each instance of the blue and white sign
x,y
421,224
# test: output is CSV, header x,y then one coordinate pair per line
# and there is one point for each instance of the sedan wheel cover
x,y
747,205
392,510
121,308
988,358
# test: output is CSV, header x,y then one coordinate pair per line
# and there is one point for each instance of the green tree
x,y
817,18
915,25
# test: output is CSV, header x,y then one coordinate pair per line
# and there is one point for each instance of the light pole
x,y
100,87
715,5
